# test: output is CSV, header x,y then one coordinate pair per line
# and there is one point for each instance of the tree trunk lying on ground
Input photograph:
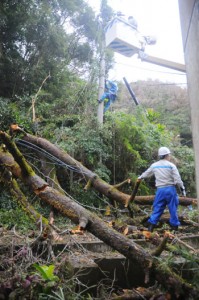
x,y
91,222
148,200
94,180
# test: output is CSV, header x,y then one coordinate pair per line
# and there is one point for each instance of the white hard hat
x,y
163,151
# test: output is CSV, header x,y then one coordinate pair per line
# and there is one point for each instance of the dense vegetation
x,y
49,82
49,69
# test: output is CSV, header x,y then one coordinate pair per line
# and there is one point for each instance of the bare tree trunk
x,y
25,205
96,226
148,200
7,177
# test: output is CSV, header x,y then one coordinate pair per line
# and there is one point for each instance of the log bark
x,y
17,193
148,200
96,226
161,247
136,294
26,206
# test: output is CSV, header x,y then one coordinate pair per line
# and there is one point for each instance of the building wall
x,y
189,17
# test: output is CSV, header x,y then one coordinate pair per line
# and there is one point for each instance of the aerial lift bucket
x,y
122,37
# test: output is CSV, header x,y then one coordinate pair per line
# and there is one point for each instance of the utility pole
x,y
100,111
102,21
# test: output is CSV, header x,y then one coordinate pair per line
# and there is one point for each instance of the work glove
x,y
183,192
190,207
139,179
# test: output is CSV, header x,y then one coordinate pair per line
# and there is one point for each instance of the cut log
x,y
148,200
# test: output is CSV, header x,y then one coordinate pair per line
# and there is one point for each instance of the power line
x,y
57,161
159,84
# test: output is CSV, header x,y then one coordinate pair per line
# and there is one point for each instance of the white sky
x,y
159,18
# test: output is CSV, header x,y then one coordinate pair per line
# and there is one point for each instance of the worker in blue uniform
x,y
166,178
110,94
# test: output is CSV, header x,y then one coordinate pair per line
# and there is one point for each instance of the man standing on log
x,y
166,178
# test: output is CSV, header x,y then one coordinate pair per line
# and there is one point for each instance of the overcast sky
x,y
154,17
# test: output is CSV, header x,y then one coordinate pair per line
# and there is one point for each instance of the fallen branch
x,y
176,239
192,236
88,185
161,247
35,98
119,185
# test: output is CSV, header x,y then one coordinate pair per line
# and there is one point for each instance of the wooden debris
x,y
161,247
77,230
139,293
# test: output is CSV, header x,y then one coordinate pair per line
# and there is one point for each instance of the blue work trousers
x,y
165,196
110,98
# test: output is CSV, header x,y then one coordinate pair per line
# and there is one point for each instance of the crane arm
x,y
161,62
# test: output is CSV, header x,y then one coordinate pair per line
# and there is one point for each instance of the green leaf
x,y
46,272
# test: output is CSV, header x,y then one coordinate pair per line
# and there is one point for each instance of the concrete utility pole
x,y
189,16
100,111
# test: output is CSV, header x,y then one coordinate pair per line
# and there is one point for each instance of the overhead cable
x,y
50,156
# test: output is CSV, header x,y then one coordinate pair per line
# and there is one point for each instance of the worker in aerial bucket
x,y
166,178
110,94
133,22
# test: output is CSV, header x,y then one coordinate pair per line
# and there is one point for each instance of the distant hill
x,y
169,100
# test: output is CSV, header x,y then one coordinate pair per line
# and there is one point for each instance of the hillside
x,y
169,100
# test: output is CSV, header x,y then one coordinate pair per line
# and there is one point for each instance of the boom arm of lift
x,y
161,62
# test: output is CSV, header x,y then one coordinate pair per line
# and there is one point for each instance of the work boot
x,y
151,227
174,228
